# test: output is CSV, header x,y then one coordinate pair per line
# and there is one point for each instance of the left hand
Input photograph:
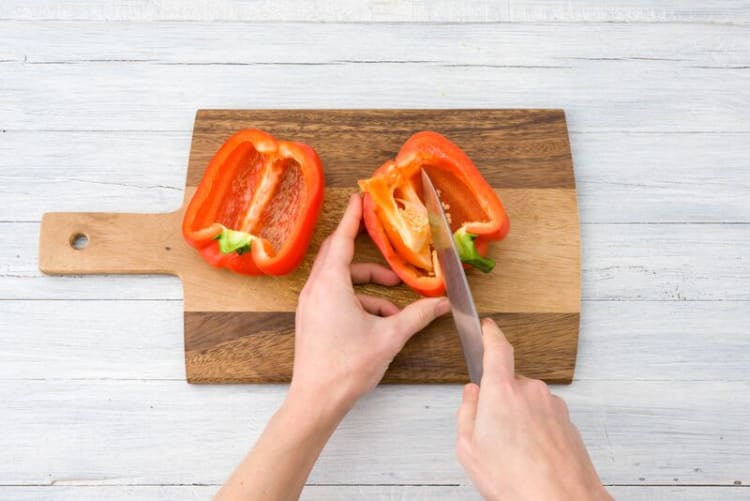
x,y
345,341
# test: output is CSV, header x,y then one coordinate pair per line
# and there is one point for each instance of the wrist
x,y
318,407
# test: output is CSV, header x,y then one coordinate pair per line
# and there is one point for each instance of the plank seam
x,y
343,62
640,22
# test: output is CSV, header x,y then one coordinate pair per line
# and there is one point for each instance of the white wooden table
x,y
96,106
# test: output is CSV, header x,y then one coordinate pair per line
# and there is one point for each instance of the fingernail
x,y
470,389
443,306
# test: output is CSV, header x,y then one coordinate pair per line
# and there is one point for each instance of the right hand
x,y
515,439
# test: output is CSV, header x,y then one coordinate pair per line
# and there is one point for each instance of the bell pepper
x,y
396,218
256,207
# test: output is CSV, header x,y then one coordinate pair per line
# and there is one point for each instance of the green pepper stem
x,y
468,252
234,241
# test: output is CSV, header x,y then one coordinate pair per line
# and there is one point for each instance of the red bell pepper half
x,y
255,209
396,218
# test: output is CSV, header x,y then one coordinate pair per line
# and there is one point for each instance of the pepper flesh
x,y
396,218
255,209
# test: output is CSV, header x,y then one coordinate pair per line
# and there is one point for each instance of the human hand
x,y
515,439
345,341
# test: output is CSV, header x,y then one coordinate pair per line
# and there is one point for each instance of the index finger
x,y
340,251
498,352
349,224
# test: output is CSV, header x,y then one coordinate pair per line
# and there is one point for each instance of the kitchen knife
x,y
462,304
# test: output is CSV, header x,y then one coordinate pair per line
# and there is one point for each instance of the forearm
x,y
280,462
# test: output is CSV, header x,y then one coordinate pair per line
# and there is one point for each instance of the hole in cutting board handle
x,y
79,241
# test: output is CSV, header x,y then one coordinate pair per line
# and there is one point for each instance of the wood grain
x,y
620,94
240,329
415,12
621,262
116,243
525,153
249,347
545,229
98,339
621,177
694,431
512,148
465,492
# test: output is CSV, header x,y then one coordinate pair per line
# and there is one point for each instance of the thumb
x,y
467,413
416,317
498,352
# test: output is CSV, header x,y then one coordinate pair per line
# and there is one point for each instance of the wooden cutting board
x,y
241,329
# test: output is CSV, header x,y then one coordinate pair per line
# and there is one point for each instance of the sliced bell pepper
x,y
396,218
256,207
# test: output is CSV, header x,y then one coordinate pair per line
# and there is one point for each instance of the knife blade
x,y
462,304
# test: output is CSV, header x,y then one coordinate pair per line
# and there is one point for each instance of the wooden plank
x,y
641,262
544,231
630,11
106,172
92,339
662,178
267,11
682,340
637,432
182,493
343,493
620,177
514,149
252,347
529,45
673,262
517,11
682,493
99,339
597,95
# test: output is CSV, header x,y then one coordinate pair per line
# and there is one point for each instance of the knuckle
x,y
509,386
560,404
538,387
421,317
503,350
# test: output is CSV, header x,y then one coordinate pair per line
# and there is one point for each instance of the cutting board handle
x,y
93,243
